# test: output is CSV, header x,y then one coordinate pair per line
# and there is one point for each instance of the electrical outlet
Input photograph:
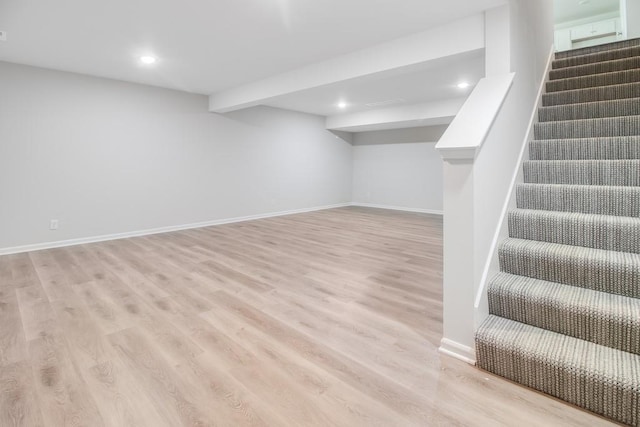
x,y
53,224
3,36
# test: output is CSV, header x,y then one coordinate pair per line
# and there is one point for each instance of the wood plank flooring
x,y
330,318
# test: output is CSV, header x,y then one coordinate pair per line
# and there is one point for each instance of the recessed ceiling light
x,y
342,105
148,60
463,85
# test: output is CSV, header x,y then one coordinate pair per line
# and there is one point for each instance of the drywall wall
x,y
530,27
630,12
105,157
398,169
478,184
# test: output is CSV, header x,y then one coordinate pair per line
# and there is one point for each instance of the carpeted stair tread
x,y
583,172
588,199
599,48
595,68
597,269
594,80
592,94
615,233
600,148
599,317
590,58
588,128
598,378
590,110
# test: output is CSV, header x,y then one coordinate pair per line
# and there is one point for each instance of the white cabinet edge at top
x,y
595,29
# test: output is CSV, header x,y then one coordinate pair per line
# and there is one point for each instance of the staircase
x,y
565,308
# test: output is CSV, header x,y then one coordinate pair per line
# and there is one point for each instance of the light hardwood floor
x,y
331,318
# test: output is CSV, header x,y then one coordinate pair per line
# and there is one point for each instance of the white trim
x,y
468,131
505,208
94,239
171,228
397,208
458,351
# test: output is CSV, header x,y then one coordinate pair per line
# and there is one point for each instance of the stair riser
x,y
608,79
586,149
588,231
604,93
627,107
583,172
610,55
616,201
616,277
576,321
597,49
616,126
597,68
575,387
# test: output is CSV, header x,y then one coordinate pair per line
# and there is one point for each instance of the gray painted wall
x,y
106,157
398,168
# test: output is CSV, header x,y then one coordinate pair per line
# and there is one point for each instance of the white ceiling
x,y
434,80
205,46
571,10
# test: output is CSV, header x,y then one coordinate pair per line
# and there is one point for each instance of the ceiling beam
x,y
425,114
458,37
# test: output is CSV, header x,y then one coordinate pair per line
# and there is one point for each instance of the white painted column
x,y
630,15
497,41
458,295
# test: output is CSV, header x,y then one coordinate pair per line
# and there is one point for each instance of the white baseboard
x,y
397,208
95,239
457,350
126,235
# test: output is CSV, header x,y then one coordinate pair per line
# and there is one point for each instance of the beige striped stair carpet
x,y
565,308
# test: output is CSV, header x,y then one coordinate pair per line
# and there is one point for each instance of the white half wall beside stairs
x,y
480,165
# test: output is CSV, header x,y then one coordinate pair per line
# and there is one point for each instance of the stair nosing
x,y
588,344
575,104
576,303
619,60
578,105
564,213
551,83
588,138
578,120
603,46
593,55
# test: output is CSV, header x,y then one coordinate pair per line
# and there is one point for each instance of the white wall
x,y
106,157
531,43
398,169
630,12
481,166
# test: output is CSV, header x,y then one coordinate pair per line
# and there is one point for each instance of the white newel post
x,y
458,286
